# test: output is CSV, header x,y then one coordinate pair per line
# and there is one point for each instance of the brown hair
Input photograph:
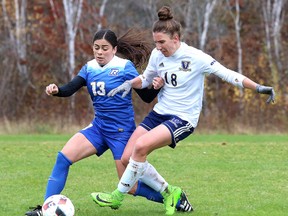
x,y
166,23
134,45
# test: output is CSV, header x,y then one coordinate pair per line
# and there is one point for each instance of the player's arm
x,y
147,94
239,80
66,90
140,82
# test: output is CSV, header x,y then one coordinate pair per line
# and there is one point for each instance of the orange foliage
x,y
224,104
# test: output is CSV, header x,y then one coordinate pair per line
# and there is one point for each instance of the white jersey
x,y
184,74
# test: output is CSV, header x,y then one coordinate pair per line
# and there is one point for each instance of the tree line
x,y
48,41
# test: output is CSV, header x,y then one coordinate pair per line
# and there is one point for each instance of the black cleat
x,y
184,205
35,211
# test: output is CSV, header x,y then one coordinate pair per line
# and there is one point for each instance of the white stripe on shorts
x,y
183,129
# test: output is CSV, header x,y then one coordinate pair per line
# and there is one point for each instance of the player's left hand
x,y
267,90
124,87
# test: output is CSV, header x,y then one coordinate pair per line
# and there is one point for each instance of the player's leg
x,y
171,194
116,196
135,169
137,163
139,131
77,148
117,143
176,129
114,200
146,144
144,190
140,188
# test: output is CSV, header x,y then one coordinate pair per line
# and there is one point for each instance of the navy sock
x,y
57,179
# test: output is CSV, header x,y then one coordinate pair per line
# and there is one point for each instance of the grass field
x,y
221,174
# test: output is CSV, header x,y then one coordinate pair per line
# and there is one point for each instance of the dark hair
x,y
166,23
107,35
134,45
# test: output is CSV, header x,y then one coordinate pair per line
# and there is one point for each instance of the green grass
x,y
221,174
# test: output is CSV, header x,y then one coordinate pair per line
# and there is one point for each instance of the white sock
x,y
153,179
131,175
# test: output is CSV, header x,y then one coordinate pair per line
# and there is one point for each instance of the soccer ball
x,y
57,205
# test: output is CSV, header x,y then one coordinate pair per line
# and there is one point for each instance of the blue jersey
x,y
116,114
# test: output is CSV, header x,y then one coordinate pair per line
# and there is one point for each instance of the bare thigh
x,y
158,137
78,147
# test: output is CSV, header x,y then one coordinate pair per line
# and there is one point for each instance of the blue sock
x,y
57,179
146,191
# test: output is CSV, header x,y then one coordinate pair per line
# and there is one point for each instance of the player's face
x,y
103,51
165,43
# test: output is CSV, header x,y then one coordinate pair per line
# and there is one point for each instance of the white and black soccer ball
x,y
58,205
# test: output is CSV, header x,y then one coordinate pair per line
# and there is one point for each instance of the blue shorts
x,y
103,140
179,128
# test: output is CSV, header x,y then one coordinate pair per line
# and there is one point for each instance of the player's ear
x,y
114,50
176,37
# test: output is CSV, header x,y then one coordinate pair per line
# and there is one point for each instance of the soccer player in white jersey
x,y
114,122
176,114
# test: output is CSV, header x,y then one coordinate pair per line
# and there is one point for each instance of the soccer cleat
x,y
35,211
171,196
183,204
112,200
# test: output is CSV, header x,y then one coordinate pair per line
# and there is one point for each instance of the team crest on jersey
x,y
185,66
114,72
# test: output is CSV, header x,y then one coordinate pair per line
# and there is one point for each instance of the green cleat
x,y
171,196
112,200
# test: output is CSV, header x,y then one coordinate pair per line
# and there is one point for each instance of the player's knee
x,y
140,149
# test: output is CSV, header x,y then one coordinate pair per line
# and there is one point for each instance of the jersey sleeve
x,y
70,88
214,67
151,70
83,72
130,71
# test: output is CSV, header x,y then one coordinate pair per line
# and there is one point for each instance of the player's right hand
x,y
52,89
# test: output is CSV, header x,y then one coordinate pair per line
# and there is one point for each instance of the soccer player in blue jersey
x,y
114,122
177,111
